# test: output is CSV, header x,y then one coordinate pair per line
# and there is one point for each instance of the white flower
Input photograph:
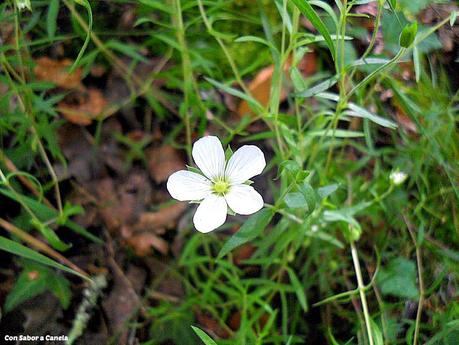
x,y
222,184
398,177
23,4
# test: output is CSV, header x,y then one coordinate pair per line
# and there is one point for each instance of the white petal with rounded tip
x,y
244,199
211,213
186,185
209,156
246,162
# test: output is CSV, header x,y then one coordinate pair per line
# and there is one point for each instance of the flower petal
x,y
209,156
211,213
186,185
245,163
244,199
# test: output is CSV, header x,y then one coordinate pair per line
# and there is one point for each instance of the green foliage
x,y
203,336
252,228
34,280
408,35
398,279
20,250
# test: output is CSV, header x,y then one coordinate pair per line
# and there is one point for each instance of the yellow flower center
x,y
221,187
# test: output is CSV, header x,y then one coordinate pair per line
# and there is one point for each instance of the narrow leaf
x,y
20,250
299,290
308,11
51,18
203,336
252,228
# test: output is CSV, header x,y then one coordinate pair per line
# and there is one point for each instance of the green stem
x,y
420,278
361,287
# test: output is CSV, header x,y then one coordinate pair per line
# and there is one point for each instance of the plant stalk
x,y
361,287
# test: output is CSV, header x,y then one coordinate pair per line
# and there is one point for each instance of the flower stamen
x,y
221,187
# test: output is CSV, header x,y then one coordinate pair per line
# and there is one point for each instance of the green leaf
x,y
338,133
60,287
20,250
299,290
408,35
290,167
376,332
24,289
296,200
252,228
34,280
86,5
398,279
314,18
321,87
203,336
325,191
356,111
309,195
453,18
51,18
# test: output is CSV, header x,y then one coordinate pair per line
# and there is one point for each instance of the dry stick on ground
x,y
411,231
40,246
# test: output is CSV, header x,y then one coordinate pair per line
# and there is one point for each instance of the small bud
x,y
397,177
408,35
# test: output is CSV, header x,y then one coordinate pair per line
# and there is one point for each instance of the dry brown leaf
x,y
308,64
260,88
242,253
143,242
57,72
405,122
115,209
164,218
163,161
84,108
211,325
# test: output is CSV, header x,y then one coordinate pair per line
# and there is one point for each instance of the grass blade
x,y
314,18
21,250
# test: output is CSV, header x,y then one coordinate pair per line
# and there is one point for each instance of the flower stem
x,y
409,226
361,287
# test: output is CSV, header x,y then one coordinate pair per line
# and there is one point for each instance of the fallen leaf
x,y
57,72
211,325
166,217
83,108
242,253
308,64
260,89
123,300
405,122
143,243
163,161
